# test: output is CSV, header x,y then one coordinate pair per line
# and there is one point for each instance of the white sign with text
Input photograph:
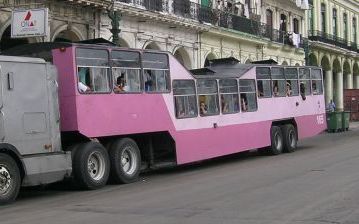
x,y
29,23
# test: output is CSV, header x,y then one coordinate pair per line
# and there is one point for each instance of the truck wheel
x,y
10,180
276,141
289,138
125,160
90,165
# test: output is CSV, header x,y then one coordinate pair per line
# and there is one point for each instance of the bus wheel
x,y
10,180
289,137
91,165
276,141
125,160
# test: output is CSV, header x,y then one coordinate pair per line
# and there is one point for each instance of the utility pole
x,y
115,17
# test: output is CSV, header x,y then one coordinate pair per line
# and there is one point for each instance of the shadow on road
x,y
65,187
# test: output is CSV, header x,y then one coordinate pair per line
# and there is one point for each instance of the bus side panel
x,y
118,114
311,125
67,87
201,144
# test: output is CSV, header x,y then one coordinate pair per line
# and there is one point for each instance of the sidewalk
x,y
354,125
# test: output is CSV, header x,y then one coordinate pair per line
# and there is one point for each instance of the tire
x,y
91,166
125,160
10,179
276,147
290,138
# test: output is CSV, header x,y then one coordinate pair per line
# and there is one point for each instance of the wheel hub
x,y
5,179
95,166
128,159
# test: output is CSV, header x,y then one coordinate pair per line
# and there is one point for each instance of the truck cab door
x,y
2,129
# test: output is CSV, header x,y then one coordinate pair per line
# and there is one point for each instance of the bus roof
x,y
20,59
222,69
38,49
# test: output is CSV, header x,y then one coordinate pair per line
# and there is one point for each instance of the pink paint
x,y
100,115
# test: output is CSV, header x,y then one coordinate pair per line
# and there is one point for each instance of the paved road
x,y
317,184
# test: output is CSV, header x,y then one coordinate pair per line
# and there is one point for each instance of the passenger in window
x,y
148,80
302,90
275,89
203,109
289,89
260,89
83,88
121,85
83,74
224,105
314,88
244,103
180,110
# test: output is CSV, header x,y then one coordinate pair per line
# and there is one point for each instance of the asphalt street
x,y
317,184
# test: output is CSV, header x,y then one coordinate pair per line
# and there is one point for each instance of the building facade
x,y
333,41
68,20
256,30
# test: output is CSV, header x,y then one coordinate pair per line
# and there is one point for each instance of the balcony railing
x,y
221,18
316,35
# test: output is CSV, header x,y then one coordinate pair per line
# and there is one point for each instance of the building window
x,y
310,19
354,30
323,17
269,15
295,25
335,25
283,23
184,92
345,21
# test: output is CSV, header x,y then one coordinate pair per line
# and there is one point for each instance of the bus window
x,y
185,98
263,82
304,79
228,89
92,70
126,70
248,95
317,86
207,97
291,76
156,72
278,81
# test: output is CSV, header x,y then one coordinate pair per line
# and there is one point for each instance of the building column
x,y
349,84
328,86
356,81
339,101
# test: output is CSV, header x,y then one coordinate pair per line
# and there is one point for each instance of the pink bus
x,y
126,109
